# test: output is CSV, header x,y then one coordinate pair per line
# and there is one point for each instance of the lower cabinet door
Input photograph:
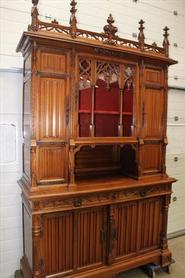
x,y
136,228
73,241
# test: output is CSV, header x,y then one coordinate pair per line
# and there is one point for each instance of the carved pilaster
x,y
72,152
37,230
34,16
33,166
163,162
165,206
112,233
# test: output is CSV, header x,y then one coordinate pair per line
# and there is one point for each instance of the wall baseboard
x,y
176,234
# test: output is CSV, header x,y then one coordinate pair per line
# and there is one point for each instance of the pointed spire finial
x,y
73,20
110,30
166,41
34,16
141,36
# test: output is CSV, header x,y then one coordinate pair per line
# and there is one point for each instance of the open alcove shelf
x,y
95,192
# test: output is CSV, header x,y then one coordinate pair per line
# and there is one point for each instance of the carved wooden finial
x,y
166,41
34,16
73,20
141,36
110,30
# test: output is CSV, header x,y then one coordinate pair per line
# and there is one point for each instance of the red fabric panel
x,y
127,101
107,100
127,123
84,123
85,99
106,125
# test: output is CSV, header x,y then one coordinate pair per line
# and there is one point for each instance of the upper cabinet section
x,y
106,90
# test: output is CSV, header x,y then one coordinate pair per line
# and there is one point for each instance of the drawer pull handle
x,y
77,203
143,193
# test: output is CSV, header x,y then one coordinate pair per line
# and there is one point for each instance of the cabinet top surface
x,y
86,186
105,42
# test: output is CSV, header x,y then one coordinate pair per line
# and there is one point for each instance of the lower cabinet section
x,y
89,242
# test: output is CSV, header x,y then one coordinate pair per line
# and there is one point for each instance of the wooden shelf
x,y
105,112
103,141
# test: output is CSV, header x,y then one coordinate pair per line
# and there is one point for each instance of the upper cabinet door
x,y
153,103
106,98
52,86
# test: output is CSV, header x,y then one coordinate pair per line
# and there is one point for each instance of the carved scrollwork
x,y
100,198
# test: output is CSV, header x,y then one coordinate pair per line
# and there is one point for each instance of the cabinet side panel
x,y
58,243
27,236
26,117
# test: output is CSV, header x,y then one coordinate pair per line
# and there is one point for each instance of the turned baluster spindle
x,y
166,41
141,36
73,20
34,16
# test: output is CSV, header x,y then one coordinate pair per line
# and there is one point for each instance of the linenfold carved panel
x,y
52,62
51,107
54,169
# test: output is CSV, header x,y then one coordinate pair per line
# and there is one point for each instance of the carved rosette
x,y
110,30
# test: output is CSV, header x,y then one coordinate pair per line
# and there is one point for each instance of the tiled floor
x,y
177,246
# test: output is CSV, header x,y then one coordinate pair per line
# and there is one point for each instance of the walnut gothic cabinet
x,y
95,191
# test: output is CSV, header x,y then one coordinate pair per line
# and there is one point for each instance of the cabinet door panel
x,y
153,106
138,227
150,219
51,108
126,224
58,242
153,103
51,164
89,224
151,158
